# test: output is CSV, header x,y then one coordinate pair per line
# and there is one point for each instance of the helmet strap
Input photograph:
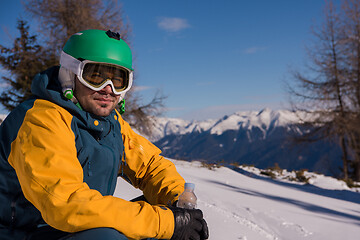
x,y
67,79
69,94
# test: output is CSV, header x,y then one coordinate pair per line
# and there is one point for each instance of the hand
x,y
189,224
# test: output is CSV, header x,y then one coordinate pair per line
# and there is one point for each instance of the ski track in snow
x,y
242,220
262,231
301,230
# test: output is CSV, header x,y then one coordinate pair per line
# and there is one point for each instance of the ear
x,y
66,79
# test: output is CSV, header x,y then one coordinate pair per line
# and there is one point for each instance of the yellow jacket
x,y
56,175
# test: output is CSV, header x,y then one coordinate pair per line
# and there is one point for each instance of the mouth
x,y
104,100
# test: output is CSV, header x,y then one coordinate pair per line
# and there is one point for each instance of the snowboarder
x,y
62,150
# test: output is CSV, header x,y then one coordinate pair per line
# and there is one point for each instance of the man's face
x,y
100,103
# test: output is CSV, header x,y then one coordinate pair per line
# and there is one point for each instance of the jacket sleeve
x,y
147,170
44,157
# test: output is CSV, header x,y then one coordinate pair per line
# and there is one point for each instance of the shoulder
x,y
36,112
134,141
126,129
48,113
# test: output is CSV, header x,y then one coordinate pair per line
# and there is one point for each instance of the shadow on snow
x,y
344,195
336,194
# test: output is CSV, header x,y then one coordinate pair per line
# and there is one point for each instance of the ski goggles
x,y
97,75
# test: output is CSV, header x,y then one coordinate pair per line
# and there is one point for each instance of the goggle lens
x,y
96,74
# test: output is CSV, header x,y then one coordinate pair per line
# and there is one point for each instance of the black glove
x,y
189,224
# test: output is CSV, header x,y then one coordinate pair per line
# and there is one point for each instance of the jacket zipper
x,y
112,170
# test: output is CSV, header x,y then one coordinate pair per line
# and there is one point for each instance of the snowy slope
x,y
248,206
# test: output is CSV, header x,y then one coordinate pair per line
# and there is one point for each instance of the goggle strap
x,y
71,63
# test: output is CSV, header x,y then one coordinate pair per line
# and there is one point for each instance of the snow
x,y
318,180
244,204
167,126
264,119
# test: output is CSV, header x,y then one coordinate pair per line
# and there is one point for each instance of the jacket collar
x,y
46,86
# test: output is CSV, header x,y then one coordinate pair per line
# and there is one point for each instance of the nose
x,y
107,89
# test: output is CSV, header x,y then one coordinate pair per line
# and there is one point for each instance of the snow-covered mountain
x,y
264,120
262,138
245,205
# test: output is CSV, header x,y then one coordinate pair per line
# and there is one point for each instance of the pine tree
x,y
22,61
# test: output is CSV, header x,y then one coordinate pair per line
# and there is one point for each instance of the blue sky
x,y
210,57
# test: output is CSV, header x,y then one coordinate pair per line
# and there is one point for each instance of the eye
x,y
95,74
118,79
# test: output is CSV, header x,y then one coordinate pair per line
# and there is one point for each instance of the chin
x,y
105,111
98,109
102,113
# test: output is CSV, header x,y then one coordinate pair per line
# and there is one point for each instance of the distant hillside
x,y
261,138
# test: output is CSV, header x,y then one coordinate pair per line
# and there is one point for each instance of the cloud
x,y
253,50
141,88
170,24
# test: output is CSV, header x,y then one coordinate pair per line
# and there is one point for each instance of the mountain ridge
x,y
264,119
261,138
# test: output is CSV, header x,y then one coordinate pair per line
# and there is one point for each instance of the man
x,y
62,150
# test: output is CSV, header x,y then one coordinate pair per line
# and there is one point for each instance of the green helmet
x,y
99,46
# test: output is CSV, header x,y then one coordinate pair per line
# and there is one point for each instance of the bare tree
x,y
323,90
351,27
59,19
142,117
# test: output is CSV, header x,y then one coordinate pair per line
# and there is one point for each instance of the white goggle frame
x,y
76,66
